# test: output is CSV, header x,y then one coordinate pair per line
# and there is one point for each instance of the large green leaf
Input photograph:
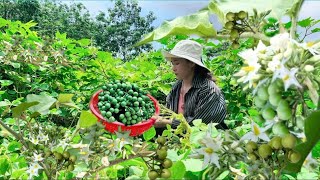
x,y
194,24
87,119
178,170
312,129
279,8
4,166
17,111
45,102
149,134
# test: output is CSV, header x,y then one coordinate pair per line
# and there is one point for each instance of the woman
x,y
195,93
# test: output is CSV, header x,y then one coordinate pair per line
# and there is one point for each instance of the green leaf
x,y
194,24
149,134
64,98
87,119
278,8
4,166
316,151
17,173
223,175
17,111
305,22
45,102
315,30
193,165
5,83
84,42
4,103
14,146
178,170
312,129
135,162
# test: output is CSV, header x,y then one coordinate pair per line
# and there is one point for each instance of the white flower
x,y
84,153
308,68
280,42
257,133
123,139
105,161
63,144
249,73
43,137
310,46
34,140
288,78
33,170
37,157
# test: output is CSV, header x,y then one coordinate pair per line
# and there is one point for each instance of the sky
x,y
170,9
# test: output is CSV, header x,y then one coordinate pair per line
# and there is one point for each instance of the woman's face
x,y
182,68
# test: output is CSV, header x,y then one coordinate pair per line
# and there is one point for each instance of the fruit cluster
x,y
272,104
162,160
236,24
124,102
279,147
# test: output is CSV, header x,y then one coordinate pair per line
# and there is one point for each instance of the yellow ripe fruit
x,y
289,141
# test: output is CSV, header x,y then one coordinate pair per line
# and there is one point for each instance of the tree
x,y
22,10
118,31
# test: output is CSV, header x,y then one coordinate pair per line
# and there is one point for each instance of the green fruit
x,y
161,140
284,110
235,45
162,154
252,157
242,15
73,158
230,16
280,129
152,175
274,99
229,25
289,141
66,155
259,102
268,113
294,156
274,88
58,156
251,146
264,150
165,173
263,93
275,143
258,119
71,167
234,34
167,163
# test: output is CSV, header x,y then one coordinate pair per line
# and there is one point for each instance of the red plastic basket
x,y
136,129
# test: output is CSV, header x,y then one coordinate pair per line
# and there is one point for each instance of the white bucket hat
x,y
186,49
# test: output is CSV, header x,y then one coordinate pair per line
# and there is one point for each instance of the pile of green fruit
x,y
124,102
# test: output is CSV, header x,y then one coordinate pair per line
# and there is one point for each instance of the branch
x,y
246,35
294,17
17,136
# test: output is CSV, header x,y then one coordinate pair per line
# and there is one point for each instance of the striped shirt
x,y
204,100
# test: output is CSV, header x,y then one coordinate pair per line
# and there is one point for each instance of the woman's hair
x,y
204,73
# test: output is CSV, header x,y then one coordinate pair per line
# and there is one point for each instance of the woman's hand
x,y
161,122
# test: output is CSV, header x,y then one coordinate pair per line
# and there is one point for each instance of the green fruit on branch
x,y
71,167
294,156
274,99
275,143
235,45
153,175
66,155
268,113
280,129
167,163
263,93
161,154
161,140
58,156
242,15
274,88
165,173
73,158
259,102
229,25
234,34
252,157
230,16
284,110
251,146
289,141
264,150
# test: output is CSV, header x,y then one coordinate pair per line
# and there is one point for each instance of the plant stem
x,y
294,16
246,35
16,135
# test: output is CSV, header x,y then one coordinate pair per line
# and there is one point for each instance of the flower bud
x,y
308,68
